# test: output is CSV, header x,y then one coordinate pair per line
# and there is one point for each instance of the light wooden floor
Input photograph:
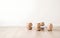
x,y
17,32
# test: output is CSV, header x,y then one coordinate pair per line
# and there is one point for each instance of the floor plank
x,y
18,32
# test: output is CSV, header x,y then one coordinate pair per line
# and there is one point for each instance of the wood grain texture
x,y
18,32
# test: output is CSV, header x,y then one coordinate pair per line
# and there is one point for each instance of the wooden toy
x,y
42,25
38,27
29,26
50,27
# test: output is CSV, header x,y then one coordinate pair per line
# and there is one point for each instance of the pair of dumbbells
x,y
39,26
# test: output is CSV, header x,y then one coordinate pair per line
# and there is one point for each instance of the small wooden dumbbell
x,y
29,26
37,27
50,27
42,25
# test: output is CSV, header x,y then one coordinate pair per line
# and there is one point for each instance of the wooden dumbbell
x,y
37,27
50,27
42,25
29,26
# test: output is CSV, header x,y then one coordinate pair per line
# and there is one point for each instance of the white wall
x,y
20,12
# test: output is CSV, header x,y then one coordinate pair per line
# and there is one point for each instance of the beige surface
x,y
17,32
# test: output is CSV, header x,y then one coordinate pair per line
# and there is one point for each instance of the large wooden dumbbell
x,y
50,27
37,27
29,26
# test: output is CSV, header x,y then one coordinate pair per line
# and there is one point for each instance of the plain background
x,y
20,12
